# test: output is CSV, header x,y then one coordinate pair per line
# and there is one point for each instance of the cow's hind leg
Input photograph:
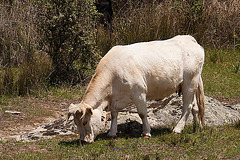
x,y
140,102
189,89
187,107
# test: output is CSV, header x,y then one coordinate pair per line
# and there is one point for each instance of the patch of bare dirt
x,y
31,113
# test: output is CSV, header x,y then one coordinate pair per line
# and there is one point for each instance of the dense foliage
x,y
69,32
59,41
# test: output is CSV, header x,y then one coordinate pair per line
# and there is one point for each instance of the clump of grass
x,y
27,78
236,124
33,75
236,67
217,56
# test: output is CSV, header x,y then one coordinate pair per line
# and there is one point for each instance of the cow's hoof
x,y
177,131
146,137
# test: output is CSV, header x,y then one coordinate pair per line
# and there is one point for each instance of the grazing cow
x,y
139,72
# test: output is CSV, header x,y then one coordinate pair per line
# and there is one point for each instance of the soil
x,y
32,114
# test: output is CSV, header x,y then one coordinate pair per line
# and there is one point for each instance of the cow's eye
x,y
84,123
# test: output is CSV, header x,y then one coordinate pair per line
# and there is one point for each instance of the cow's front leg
x,y
113,129
146,126
142,112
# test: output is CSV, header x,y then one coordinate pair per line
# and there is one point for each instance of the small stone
x,y
12,112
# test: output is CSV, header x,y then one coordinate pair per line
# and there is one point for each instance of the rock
x,y
58,127
13,112
218,114
161,114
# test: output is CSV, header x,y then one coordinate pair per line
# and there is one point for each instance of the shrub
x,y
69,32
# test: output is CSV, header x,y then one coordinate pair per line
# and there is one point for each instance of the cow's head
x,y
88,121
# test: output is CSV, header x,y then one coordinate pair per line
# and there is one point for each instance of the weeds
x,y
236,67
236,124
22,68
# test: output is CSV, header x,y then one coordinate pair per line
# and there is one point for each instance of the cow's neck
x,y
98,92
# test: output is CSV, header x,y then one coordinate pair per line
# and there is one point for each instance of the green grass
x,y
212,143
221,74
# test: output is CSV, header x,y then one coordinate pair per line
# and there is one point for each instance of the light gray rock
x,y
218,114
50,130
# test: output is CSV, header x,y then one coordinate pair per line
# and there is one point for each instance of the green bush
x,y
69,32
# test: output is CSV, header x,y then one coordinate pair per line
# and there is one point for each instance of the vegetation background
x,y
49,50
46,43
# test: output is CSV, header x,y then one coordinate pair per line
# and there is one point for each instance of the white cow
x,y
139,72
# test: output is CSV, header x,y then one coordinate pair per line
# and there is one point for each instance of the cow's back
x,y
156,68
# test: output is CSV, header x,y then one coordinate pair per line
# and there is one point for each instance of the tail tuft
x,y
200,101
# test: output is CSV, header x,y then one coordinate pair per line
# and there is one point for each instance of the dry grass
x,y
213,23
23,68
18,33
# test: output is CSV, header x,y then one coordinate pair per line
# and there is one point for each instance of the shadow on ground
x,y
131,129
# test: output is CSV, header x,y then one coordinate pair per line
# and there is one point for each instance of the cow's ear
x,y
89,111
72,110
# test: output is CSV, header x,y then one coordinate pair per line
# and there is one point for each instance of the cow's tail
x,y
200,101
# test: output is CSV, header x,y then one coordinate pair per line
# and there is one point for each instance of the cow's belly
x,y
159,93
157,90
